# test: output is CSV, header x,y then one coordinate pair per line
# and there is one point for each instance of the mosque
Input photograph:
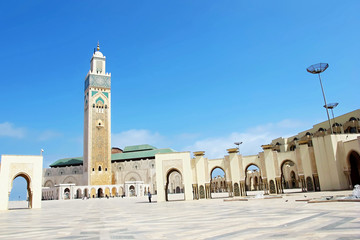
x,y
317,159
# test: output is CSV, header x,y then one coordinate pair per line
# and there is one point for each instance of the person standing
x,y
149,195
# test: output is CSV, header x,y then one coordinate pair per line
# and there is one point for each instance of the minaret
x,y
97,123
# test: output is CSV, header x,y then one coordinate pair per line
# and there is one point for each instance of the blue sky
x,y
190,75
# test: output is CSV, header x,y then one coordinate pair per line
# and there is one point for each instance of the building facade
x,y
313,160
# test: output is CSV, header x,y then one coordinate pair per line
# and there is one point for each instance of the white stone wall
x,y
30,168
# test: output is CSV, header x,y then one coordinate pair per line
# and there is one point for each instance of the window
x,y
99,169
105,169
93,169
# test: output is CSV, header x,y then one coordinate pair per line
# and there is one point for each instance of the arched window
x,y
99,168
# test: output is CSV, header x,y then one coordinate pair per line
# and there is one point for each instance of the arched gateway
x,y
166,164
28,167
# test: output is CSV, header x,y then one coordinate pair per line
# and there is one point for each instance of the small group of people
x,y
149,196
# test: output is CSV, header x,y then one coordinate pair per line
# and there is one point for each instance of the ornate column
x,y
229,188
279,188
195,192
302,182
317,182
265,186
242,188
207,190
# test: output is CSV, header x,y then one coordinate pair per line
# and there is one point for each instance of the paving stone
x,y
132,218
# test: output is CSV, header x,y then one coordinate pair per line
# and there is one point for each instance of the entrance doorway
x,y
174,190
132,191
218,185
67,193
78,193
354,160
253,181
20,195
86,193
289,177
100,193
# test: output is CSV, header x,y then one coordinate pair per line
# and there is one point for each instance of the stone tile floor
x,y
135,218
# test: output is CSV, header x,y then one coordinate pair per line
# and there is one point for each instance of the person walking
x,y
149,195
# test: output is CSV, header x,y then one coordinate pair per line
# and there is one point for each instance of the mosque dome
x,y
98,54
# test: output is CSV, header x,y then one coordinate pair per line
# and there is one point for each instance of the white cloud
x,y
9,130
214,147
253,138
135,137
48,134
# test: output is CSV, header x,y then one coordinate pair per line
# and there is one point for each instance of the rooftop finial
x,y
98,47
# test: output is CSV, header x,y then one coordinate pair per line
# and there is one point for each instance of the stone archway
x,y
107,192
86,193
253,180
113,192
29,196
67,193
69,179
93,193
49,184
289,177
165,162
28,167
132,191
132,176
100,193
78,193
218,183
168,177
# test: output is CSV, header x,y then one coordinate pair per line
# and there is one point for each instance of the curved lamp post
x,y
238,145
317,69
331,106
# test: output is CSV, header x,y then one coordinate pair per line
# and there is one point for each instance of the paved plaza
x,y
135,218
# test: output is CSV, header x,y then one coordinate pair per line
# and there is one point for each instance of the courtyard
x,y
135,218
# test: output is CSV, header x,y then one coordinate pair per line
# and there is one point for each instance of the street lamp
x,y
331,106
317,69
238,145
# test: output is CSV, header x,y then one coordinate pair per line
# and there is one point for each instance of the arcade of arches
x,y
312,160
285,165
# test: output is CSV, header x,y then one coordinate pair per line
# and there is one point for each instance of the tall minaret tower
x,y
97,123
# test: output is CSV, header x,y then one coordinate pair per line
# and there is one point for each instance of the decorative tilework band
x,y
97,81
